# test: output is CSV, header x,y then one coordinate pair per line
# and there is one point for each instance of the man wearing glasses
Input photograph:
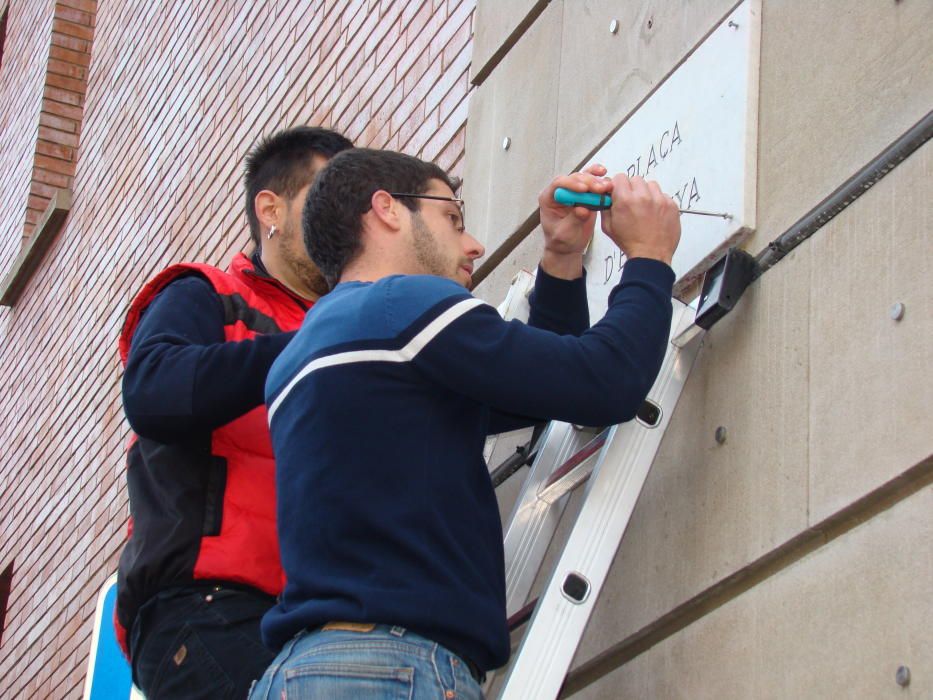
x,y
379,409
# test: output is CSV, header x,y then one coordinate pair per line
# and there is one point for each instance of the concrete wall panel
x,y
836,624
839,82
519,101
605,76
871,385
823,396
495,23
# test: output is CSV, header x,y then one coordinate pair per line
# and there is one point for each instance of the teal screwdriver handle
x,y
600,202
588,200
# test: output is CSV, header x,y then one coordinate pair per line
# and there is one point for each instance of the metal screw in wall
x,y
506,142
896,311
614,26
720,435
902,676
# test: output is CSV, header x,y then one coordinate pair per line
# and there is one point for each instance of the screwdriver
x,y
599,202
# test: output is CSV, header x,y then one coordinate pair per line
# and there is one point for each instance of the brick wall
x,y
22,75
69,54
176,94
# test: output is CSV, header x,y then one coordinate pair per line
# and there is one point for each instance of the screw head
x,y
896,312
506,142
720,434
614,26
902,676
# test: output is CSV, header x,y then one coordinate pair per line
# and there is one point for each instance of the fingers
x,y
622,185
596,169
583,182
637,188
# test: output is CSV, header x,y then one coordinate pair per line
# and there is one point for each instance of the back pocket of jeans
x,y
345,681
190,670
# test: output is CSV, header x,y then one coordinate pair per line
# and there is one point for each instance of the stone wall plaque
x,y
697,136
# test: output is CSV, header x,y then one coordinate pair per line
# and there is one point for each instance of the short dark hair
x,y
281,163
342,194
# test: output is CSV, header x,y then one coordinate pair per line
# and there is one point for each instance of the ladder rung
x,y
574,472
522,616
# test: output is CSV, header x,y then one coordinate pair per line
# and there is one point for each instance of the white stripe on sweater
x,y
405,354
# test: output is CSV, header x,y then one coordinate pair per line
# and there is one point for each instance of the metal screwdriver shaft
x,y
600,202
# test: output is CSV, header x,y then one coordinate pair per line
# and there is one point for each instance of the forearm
x,y
565,266
559,305
599,378
172,391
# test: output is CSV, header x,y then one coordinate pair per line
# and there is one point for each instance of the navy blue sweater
x,y
379,409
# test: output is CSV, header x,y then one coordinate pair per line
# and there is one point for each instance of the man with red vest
x,y
201,565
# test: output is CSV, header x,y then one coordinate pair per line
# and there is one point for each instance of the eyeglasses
x,y
459,225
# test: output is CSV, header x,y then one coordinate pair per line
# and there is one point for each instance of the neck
x,y
286,275
374,268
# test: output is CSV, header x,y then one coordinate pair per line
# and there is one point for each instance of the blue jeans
x,y
385,663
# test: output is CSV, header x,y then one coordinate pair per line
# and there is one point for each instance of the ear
x,y
267,206
387,210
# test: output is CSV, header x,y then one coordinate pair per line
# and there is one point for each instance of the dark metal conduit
x,y
846,193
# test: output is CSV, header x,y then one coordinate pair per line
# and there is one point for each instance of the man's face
x,y
291,241
440,244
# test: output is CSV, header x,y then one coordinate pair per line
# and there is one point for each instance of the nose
x,y
472,247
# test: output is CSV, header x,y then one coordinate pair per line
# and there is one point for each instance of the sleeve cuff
x,y
647,270
560,295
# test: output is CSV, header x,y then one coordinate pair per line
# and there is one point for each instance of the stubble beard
x,y
427,252
296,257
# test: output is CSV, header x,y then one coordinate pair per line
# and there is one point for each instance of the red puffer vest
x,y
204,511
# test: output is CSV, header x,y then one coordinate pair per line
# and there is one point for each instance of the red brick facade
x,y
175,95
69,56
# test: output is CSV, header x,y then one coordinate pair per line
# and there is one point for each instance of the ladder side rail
x,y
533,522
558,623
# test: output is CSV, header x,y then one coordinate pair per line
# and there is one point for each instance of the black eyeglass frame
x,y
456,200
427,196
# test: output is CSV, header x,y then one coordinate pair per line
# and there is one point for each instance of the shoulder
x,y
418,299
181,279
182,292
190,283
174,291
